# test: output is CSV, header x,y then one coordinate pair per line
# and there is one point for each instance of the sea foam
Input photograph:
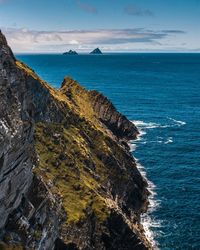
x,y
146,219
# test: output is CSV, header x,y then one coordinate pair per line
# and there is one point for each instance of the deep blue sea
x,y
161,94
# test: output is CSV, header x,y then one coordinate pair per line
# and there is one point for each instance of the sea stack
x,y
70,52
96,51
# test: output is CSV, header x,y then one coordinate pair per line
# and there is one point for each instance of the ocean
x,y
160,93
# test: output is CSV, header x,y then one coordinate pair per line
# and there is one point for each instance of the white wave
x,y
142,124
167,126
169,140
151,125
146,219
159,141
148,224
141,169
142,132
151,187
132,147
133,143
180,123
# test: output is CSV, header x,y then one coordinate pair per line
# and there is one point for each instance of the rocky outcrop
x,y
70,52
102,109
96,51
36,222
113,120
67,178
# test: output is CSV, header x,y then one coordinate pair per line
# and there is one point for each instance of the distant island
x,y
70,52
96,51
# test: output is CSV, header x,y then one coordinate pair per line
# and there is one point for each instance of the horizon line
x,y
113,52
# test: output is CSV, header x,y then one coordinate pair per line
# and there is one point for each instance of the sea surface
x,y
160,93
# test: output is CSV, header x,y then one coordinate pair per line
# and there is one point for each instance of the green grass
x,y
64,157
78,156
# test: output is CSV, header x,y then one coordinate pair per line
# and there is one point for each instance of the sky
x,y
41,26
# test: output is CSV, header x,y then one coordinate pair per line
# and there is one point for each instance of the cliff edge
x,y
67,178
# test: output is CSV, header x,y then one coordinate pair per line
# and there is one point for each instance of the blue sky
x,y
39,26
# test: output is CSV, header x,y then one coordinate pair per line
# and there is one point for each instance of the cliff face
x,y
23,197
16,136
67,179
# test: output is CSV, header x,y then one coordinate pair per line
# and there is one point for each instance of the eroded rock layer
x,y
67,178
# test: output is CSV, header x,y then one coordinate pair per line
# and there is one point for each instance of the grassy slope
x,y
78,157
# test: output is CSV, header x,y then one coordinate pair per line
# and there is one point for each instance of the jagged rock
x,y
115,121
96,51
70,52
17,153
102,108
67,178
16,137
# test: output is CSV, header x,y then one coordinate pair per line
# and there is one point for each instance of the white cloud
x,y
73,42
25,40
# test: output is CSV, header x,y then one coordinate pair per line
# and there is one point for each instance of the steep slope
x,y
67,178
24,199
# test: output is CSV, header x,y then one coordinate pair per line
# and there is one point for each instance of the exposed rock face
x,y
70,52
96,51
16,137
67,179
20,107
116,122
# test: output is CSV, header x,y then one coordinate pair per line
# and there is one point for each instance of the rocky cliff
x,y
67,179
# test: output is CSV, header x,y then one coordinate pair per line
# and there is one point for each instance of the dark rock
x,y
115,121
70,52
96,51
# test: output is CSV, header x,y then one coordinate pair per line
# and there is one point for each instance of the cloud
x,y
25,40
134,10
174,31
86,7
73,42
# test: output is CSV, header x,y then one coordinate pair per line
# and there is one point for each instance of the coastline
x,y
146,219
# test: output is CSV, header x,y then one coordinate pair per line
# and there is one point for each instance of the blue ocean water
x,y
161,93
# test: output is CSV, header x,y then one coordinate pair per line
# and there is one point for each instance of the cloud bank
x,y
25,40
